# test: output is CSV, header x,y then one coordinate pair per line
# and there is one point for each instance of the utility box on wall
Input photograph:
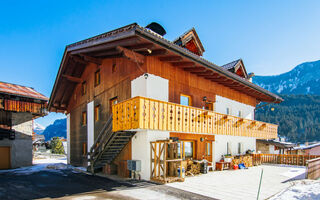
x,y
134,165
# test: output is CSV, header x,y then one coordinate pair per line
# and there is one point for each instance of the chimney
x,y
157,28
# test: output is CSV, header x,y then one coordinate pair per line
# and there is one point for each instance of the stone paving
x,y
242,184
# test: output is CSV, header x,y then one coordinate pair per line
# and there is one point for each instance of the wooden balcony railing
x,y
22,106
146,113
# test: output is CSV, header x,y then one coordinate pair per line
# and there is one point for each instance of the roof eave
x,y
206,63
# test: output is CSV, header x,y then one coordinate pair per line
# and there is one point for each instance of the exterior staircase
x,y
107,146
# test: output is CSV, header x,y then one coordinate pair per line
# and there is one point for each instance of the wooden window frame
x,y
193,149
84,118
188,96
84,149
97,78
209,148
83,88
97,113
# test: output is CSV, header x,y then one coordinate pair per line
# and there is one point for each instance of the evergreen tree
x,y
57,146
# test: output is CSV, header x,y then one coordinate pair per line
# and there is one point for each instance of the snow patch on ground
x,y
45,163
302,190
294,172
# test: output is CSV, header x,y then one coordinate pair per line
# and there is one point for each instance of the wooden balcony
x,y
22,106
146,113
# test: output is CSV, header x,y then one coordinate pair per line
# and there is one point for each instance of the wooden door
x,y
5,158
208,151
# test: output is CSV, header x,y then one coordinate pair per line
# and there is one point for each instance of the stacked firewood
x,y
246,160
193,168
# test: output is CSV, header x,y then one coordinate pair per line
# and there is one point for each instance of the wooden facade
x,y
115,82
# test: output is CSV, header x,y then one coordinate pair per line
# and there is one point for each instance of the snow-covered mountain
x,y
57,129
303,79
38,128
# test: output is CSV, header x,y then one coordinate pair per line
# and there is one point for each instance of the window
x,y
187,149
84,118
84,88
229,148
228,111
97,78
97,113
185,100
208,149
209,106
114,67
240,148
112,102
239,113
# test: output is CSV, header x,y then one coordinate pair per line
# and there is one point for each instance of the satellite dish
x,y
156,28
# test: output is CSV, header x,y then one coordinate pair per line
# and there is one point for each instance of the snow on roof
x,y
307,146
19,90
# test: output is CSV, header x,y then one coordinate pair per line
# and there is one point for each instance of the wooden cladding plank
x,y
146,113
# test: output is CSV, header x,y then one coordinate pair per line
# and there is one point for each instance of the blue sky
x,y
270,36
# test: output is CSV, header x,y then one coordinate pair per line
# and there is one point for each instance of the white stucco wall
x,y
223,103
220,145
25,128
141,148
90,125
153,87
68,138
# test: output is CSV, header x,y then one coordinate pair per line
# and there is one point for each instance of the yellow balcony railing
x,y
146,113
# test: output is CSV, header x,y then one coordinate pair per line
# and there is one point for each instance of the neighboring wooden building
x,y
274,147
156,89
307,149
19,105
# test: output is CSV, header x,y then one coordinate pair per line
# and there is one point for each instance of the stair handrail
x,y
96,144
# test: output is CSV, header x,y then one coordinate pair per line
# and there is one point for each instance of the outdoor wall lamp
x,y
146,75
204,99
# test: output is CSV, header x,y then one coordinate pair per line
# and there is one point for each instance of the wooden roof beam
x,y
184,64
140,46
72,78
171,58
131,55
195,69
205,73
123,42
157,52
79,60
91,59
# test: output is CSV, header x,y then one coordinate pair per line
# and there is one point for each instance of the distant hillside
x,y
303,79
298,117
57,129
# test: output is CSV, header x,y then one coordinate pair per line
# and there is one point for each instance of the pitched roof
x,y
307,146
18,90
277,143
231,64
194,33
126,34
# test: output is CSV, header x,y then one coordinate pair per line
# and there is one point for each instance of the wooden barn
x,y
131,94
19,105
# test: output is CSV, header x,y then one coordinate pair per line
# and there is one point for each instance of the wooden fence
x,y
300,160
313,169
